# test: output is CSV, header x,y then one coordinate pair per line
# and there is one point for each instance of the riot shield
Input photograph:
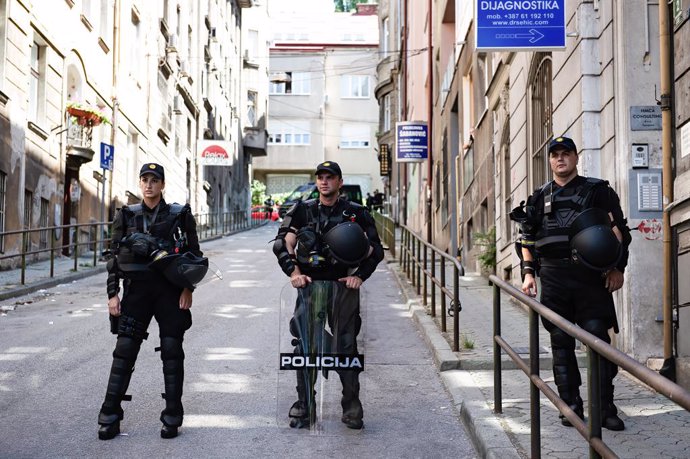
x,y
320,377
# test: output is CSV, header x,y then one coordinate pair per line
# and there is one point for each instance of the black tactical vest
x,y
170,217
552,238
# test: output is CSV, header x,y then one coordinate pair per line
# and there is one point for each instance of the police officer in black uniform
x,y
574,236
142,233
308,227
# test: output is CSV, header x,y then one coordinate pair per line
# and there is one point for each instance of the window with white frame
x,y
386,113
106,21
385,36
295,132
251,107
355,136
253,43
135,49
355,86
298,83
37,84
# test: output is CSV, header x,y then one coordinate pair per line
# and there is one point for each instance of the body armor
x,y
561,208
144,241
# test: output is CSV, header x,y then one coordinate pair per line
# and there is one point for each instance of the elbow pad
x,y
113,285
286,262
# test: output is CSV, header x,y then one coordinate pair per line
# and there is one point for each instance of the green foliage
x,y
258,193
467,341
342,6
487,243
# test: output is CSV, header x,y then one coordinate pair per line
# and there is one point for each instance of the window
x,y
253,44
37,84
251,107
3,39
132,174
294,133
385,36
355,86
355,136
189,134
135,48
3,195
87,12
506,192
28,216
43,223
106,26
540,116
298,83
386,113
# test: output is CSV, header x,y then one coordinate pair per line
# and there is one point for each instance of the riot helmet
x,y
347,243
183,270
592,241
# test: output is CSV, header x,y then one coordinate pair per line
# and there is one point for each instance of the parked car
x,y
310,191
264,213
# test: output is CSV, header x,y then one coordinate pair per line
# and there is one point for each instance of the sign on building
x,y
214,153
384,160
645,118
107,155
513,25
411,141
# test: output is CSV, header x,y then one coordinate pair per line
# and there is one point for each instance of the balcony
x,y
255,141
78,149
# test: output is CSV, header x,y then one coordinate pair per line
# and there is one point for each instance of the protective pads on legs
x,y
172,356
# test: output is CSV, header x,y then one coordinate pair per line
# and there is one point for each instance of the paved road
x,y
55,354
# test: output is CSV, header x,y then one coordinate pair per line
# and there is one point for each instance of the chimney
x,y
367,9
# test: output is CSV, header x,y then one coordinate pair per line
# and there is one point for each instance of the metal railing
x,y
417,258
596,349
90,239
385,226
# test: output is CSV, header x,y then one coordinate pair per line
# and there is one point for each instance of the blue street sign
x,y
107,154
411,139
513,25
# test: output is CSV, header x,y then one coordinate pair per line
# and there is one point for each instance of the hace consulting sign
x,y
411,141
514,25
214,152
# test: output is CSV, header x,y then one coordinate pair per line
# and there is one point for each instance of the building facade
x,y
146,78
321,97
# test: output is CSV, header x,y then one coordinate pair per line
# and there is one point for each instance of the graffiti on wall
x,y
650,229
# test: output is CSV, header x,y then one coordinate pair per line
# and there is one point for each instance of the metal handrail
x,y
212,225
385,226
596,348
414,263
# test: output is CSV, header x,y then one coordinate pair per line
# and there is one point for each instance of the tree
x,y
258,193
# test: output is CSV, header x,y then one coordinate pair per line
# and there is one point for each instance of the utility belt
x,y
556,262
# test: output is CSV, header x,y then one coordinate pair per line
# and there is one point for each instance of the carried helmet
x,y
593,243
347,243
184,270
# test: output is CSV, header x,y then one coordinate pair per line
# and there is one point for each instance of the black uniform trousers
x,y
142,300
579,296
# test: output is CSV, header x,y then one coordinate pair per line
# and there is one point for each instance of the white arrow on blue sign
x,y
107,154
514,25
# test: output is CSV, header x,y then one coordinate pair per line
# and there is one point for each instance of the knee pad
x,y
597,327
171,348
129,326
561,340
127,348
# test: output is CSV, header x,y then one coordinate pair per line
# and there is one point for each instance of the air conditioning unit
x,y
172,44
177,105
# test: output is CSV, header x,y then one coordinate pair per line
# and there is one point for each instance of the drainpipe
x,y
430,122
669,368
116,103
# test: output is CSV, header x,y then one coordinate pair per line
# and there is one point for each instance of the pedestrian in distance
x,y
268,203
155,251
328,239
575,238
369,201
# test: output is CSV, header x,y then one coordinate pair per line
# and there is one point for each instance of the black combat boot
x,y
303,412
120,374
352,407
571,396
173,377
609,412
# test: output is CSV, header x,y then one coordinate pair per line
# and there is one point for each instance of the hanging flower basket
x,y
85,115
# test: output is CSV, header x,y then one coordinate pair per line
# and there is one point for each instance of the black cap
x,y
153,168
329,166
562,142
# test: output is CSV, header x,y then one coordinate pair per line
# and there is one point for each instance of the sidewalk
x,y
655,426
